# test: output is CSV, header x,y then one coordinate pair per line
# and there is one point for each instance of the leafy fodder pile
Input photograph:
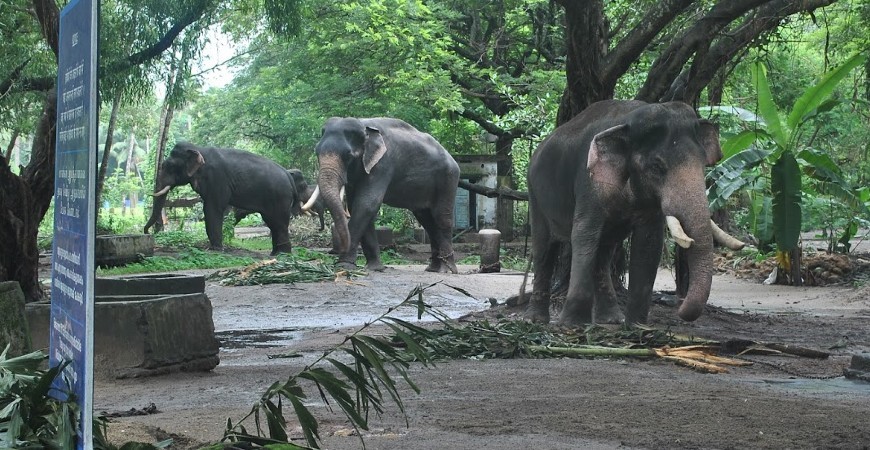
x,y
301,266
520,339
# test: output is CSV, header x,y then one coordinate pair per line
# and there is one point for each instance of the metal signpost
x,y
72,275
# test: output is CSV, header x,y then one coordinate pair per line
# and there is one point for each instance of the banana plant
x,y
776,141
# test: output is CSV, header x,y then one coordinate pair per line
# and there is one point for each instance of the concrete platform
x,y
144,335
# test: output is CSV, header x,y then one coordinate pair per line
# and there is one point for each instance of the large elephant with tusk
x,y
229,177
384,160
622,168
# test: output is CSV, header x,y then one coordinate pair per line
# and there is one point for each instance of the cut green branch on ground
x,y
301,266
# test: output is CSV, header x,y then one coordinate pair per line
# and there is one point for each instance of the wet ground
x,y
270,332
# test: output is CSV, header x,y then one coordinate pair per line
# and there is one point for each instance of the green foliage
x,y
29,417
400,220
786,187
506,338
179,240
301,266
507,259
775,209
191,258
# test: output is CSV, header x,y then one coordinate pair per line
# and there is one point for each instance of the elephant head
x,y
655,156
179,168
347,150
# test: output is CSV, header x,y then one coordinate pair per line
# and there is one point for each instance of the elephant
x,y
305,191
385,160
302,188
230,177
621,168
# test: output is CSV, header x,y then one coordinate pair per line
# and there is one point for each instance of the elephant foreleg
x,y
606,308
585,236
646,252
214,215
371,249
544,255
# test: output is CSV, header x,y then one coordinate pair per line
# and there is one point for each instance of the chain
x,y
788,371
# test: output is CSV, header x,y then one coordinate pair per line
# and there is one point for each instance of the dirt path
x,y
526,403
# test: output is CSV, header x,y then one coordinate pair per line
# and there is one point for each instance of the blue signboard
x,y
72,275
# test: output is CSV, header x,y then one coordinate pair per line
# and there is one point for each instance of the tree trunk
x,y
107,150
11,146
586,47
166,114
504,221
25,200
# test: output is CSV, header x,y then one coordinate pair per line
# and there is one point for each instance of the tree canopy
x,y
479,75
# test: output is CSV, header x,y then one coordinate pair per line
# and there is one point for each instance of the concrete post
x,y
489,251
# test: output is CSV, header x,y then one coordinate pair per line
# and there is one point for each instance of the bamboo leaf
x,y
786,187
276,422
306,421
816,94
766,106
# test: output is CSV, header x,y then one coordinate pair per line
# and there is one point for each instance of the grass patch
x,y
256,244
506,258
191,258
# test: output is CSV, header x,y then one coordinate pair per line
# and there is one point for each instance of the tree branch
x,y
726,47
497,192
696,39
619,60
48,16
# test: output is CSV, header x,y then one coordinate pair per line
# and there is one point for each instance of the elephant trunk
x,y
331,181
157,209
684,198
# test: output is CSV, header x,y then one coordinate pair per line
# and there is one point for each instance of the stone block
x,y
143,335
859,369
156,284
122,249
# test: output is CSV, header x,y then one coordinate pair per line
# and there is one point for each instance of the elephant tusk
x,y
725,239
343,197
677,232
311,199
162,191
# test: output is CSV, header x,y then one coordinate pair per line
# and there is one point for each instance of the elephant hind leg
x,y
278,224
440,230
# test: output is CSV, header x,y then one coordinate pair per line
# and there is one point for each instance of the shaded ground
x,y
778,402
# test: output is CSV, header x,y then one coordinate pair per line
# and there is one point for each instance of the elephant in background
x,y
384,160
303,189
620,168
229,177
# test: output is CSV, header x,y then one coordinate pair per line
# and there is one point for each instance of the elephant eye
x,y
657,166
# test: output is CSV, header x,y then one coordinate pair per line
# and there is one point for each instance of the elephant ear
x,y
710,140
194,161
607,161
375,148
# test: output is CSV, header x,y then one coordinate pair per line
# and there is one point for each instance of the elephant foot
x,y
442,267
538,310
375,266
575,315
284,248
345,265
611,315
636,319
442,264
